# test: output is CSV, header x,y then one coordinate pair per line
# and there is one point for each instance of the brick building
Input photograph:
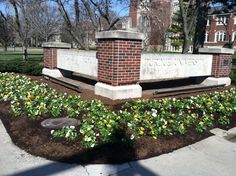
x,y
221,27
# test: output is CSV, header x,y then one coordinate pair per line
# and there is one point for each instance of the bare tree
x,y
160,22
35,18
22,21
96,13
200,29
6,33
69,26
188,13
45,20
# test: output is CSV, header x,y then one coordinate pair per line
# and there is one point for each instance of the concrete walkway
x,y
213,156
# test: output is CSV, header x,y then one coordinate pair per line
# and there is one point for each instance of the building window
x,y
207,37
222,20
220,36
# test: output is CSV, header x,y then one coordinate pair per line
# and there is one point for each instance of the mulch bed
x,y
36,140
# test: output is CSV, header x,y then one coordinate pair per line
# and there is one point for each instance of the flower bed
x,y
155,118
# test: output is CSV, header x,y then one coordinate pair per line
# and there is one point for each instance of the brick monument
x,y
50,57
221,65
119,57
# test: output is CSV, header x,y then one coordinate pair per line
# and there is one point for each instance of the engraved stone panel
x,y
83,62
168,66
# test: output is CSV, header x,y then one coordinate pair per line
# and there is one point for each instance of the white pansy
x,y
67,134
154,110
129,124
81,131
72,127
154,114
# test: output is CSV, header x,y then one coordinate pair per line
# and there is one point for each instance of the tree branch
x,y
69,25
91,14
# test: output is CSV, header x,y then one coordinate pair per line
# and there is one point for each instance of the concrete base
x,y
55,73
118,92
216,81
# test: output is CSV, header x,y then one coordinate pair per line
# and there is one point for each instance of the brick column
x,y
221,64
50,57
119,57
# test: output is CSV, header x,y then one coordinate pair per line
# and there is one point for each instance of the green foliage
x,y
176,31
153,118
68,132
233,71
31,68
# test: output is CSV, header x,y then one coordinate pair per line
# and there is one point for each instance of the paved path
x,y
214,156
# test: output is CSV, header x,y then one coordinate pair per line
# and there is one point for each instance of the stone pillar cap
x,y
216,50
56,45
120,34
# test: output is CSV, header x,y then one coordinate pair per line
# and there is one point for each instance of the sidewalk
x,y
214,156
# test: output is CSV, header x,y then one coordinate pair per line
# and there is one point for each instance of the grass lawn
x,y
13,61
17,55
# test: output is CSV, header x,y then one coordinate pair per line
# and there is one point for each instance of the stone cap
x,y
216,50
56,45
120,34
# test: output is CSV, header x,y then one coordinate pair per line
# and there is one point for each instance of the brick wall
x,y
50,58
221,65
119,61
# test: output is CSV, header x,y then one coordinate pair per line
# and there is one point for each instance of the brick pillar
x,y
221,64
119,57
50,57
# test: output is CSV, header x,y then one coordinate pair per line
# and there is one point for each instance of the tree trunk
x,y
77,12
25,50
200,30
186,45
36,42
5,47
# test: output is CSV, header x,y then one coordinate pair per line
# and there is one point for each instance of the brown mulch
x,y
36,140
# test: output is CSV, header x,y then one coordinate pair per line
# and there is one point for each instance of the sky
x,y
2,7
122,10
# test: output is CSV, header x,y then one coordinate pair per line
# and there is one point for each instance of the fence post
x,y
119,57
221,65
